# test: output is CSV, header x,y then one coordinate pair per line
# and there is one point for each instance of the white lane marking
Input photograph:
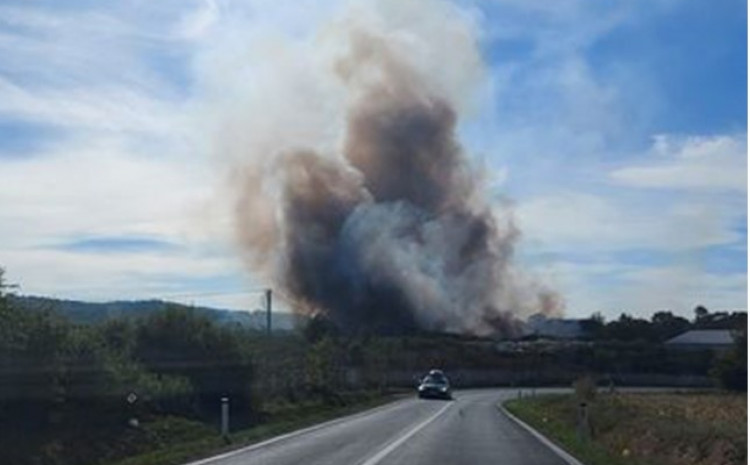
x,y
300,432
393,445
543,439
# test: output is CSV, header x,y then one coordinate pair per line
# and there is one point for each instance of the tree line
x,y
662,326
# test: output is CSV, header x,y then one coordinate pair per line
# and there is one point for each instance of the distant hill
x,y
97,312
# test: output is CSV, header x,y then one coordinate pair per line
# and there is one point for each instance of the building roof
x,y
553,327
709,337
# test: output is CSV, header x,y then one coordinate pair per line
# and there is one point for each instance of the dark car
x,y
435,385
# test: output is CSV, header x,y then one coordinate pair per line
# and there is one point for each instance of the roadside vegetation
x,y
606,427
174,440
151,387
643,428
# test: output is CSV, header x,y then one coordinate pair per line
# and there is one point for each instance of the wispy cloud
x,y
646,235
112,109
705,163
118,244
611,287
596,222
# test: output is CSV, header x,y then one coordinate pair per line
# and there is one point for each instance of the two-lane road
x,y
468,430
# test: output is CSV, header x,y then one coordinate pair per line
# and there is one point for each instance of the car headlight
x,y
444,388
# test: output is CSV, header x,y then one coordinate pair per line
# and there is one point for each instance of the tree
x,y
321,366
627,328
4,288
180,342
731,369
701,313
666,325
31,363
320,327
593,327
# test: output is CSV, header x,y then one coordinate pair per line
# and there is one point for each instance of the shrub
x,y
585,388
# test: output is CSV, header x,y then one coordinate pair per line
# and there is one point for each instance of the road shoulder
x,y
539,436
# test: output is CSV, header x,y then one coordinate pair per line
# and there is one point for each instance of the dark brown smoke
x,y
394,233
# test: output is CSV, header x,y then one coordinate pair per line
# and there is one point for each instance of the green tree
x,y
31,364
731,369
320,327
666,325
180,342
321,366
627,328
701,313
593,327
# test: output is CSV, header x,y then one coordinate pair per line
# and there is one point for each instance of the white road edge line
x,y
296,433
543,439
393,445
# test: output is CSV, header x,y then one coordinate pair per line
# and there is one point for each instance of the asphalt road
x,y
468,430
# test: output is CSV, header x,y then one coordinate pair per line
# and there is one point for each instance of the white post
x,y
583,421
225,416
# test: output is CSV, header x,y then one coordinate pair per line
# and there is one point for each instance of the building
x,y
696,339
557,328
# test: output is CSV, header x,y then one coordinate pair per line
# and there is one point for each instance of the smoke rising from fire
x,y
352,194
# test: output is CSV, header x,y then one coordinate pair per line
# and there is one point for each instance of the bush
x,y
585,388
180,343
731,369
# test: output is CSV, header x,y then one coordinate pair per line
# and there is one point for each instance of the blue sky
x,y
617,132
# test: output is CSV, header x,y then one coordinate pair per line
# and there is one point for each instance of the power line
x,y
216,293
264,292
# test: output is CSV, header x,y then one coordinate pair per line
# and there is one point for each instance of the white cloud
x,y
568,111
69,48
91,109
682,289
127,159
570,220
55,198
579,240
195,23
706,163
98,188
612,287
96,184
195,278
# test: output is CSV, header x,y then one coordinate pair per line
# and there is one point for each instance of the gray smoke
x,y
389,229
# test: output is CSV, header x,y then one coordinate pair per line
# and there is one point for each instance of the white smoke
x,y
350,190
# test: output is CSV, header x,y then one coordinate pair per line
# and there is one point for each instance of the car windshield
x,y
435,379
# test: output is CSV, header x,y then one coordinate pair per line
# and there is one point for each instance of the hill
x,y
80,312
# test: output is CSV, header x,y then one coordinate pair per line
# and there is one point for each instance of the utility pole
x,y
268,311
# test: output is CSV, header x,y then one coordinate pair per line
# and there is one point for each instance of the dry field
x,y
658,428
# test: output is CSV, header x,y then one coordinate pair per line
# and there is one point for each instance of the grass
x,y
645,429
180,441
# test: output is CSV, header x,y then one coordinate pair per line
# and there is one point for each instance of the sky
x,y
617,131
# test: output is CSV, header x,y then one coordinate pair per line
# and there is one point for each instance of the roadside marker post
x,y
225,417
583,421
131,399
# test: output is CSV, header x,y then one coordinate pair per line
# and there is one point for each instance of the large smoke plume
x,y
370,212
